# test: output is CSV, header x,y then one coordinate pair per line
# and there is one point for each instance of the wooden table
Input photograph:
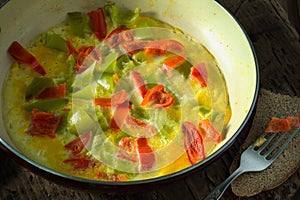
x,y
278,50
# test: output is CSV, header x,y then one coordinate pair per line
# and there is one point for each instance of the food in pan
x,y
115,95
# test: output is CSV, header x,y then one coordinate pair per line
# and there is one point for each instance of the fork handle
x,y
219,190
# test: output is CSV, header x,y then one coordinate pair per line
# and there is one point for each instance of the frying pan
x,y
205,20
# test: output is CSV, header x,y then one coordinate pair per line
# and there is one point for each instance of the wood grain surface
x,y
277,46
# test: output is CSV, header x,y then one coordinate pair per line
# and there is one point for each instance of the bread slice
x,y
251,183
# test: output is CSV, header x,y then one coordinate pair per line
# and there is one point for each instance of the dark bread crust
x,y
252,183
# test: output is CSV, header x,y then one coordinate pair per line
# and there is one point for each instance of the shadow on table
x,y
8,168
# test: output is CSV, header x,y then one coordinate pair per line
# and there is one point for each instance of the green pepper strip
x,y
37,85
46,105
54,41
80,25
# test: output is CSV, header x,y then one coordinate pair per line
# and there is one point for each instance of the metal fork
x,y
256,158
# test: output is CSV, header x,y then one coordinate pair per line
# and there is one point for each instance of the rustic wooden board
x,y
278,50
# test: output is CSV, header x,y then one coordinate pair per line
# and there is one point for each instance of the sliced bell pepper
x,y
140,113
132,47
98,22
184,69
124,65
294,121
21,55
161,47
80,24
208,132
47,105
77,145
193,143
146,155
120,115
54,92
85,56
72,49
109,63
140,57
138,83
172,63
139,127
128,149
118,36
75,20
82,83
277,125
80,163
199,73
37,85
107,81
119,16
102,120
128,144
43,124
157,97
54,41
80,122
116,99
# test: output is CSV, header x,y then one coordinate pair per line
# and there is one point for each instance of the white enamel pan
x,y
205,20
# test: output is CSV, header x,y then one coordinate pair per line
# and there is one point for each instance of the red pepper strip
x,y
193,142
277,125
43,124
128,149
135,46
118,36
199,73
98,22
21,55
208,132
137,124
116,99
294,121
138,83
128,144
157,97
78,144
147,157
57,91
90,52
85,56
172,63
72,50
111,177
120,115
161,47
80,163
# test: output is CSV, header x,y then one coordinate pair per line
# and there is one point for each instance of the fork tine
x,y
286,143
266,143
252,160
283,135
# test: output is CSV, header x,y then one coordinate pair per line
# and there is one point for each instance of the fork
x,y
256,158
